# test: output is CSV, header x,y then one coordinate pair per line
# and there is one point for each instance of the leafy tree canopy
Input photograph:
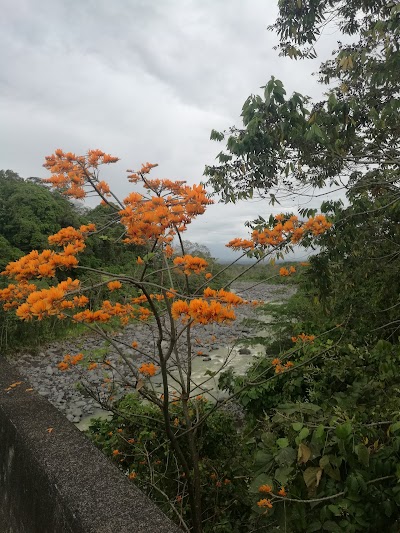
x,y
29,212
350,138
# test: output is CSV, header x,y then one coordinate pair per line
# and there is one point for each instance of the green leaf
x,y
267,96
148,256
344,430
282,443
297,426
216,135
395,427
268,438
262,458
387,507
319,432
395,9
302,435
362,454
333,473
282,474
286,456
335,510
352,485
331,526
324,461
310,408
314,526
262,479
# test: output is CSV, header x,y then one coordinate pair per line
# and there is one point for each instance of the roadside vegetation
x,y
317,444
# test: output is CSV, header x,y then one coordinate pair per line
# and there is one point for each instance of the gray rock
x,y
76,411
206,358
244,351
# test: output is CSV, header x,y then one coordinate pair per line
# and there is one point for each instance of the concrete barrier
x,y
53,480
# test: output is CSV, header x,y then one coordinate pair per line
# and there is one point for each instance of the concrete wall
x,y
58,482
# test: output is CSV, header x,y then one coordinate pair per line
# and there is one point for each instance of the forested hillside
x,y
29,212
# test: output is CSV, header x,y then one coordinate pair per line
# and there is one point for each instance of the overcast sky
x,y
145,80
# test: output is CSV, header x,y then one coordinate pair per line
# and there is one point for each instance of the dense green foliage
x,y
29,213
327,430
356,276
135,441
329,427
351,137
349,140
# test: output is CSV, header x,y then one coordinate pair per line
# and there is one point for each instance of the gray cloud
x,y
146,81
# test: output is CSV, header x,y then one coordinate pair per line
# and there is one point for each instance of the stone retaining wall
x,y
53,480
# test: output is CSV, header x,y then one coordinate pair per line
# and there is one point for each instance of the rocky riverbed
x,y
211,343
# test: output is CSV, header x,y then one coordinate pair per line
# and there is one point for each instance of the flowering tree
x,y
156,291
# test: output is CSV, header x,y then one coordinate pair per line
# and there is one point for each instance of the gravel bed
x,y
62,389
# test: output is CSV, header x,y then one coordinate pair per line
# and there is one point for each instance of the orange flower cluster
x,y
46,302
304,338
114,285
71,174
70,360
265,503
13,295
279,367
202,312
44,264
33,303
289,230
124,312
40,265
269,489
171,293
224,296
216,306
71,235
148,369
286,272
241,244
282,492
137,176
190,264
317,225
158,217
